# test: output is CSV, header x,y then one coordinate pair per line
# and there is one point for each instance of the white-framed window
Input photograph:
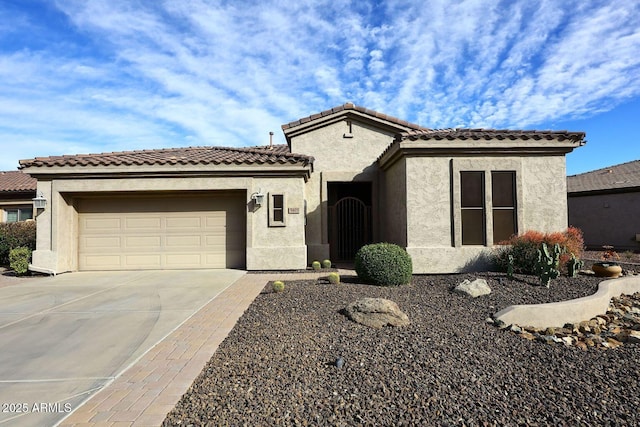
x,y
277,207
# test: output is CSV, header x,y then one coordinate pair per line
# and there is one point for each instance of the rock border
x,y
557,314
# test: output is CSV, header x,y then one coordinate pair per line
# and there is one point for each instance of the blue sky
x,y
84,76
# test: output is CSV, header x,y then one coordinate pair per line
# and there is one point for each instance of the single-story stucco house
x,y
17,190
605,205
346,177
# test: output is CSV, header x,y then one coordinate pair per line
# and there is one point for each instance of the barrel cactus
x,y
278,286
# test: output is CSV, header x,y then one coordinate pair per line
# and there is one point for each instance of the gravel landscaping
x,y
448,367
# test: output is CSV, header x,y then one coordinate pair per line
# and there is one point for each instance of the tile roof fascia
x,y
171,171
173,157
472,148
337,114
491,135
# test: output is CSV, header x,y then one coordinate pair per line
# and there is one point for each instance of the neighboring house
x,y
346,177
605,205
17,191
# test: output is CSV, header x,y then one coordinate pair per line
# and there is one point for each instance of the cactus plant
x,y
334,278
316,265
278,286
510,267
574,265
326,263
547,263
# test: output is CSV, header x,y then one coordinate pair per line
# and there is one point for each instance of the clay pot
x,y
607,270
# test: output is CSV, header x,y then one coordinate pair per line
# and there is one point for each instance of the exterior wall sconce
x,y
258,198
39,202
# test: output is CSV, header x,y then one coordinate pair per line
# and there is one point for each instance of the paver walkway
x,y
145,393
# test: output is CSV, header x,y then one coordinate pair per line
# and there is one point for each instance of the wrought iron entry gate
x,y
349,228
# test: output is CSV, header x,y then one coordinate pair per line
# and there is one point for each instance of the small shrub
x,y
334,278
316,265
326,263
15,235
383,264
19,260
278,286
524,249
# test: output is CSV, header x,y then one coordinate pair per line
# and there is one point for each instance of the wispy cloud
x,y
122,75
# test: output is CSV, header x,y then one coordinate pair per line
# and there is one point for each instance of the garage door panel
x,y
136,242
184,241
184,222
152,232
98,223
100,244
133,223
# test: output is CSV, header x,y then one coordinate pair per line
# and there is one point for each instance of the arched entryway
x,y
349,219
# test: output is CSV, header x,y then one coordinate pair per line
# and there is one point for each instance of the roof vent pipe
x,y
270,140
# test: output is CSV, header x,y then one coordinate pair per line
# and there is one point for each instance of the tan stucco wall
x,y
433,204
394,204
267,248
607,219
337,159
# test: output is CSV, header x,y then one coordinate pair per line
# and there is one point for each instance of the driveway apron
x,y
64,338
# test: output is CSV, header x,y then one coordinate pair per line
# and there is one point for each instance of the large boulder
x,y
474,289
376,313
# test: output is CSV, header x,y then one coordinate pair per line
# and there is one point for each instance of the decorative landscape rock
x,y
619,326
376,313
474,289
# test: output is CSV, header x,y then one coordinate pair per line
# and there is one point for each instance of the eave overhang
x,y
473,148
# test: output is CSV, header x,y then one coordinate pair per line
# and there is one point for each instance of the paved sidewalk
x,y
150,388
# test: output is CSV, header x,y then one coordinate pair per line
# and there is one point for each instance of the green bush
x,y
524,249
15,235
316,265
326,263
19,260
383,264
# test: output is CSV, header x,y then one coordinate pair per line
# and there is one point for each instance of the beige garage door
x,y
170,232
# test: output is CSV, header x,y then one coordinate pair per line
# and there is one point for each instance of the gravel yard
x,y
447,368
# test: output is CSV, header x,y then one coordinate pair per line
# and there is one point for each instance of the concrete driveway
x,y
64,338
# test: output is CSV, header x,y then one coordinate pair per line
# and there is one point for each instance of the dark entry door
x,y
350,227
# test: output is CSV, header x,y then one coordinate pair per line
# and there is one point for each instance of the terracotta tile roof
x,y
489,134
278,154
16,181
618,177
349,106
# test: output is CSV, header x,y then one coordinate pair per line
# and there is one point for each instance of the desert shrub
x,y
278,286
316,265
326,263
15,235
334,278
383,264
524,249
19,260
